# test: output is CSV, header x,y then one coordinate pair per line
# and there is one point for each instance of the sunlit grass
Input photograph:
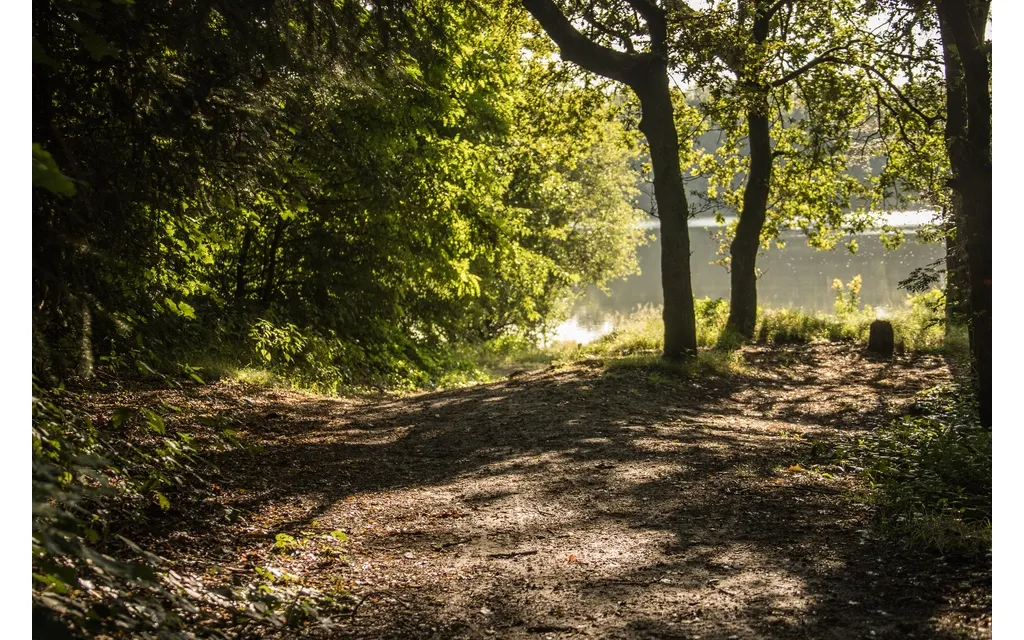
x,y
250,375
709,361
918,326
635,343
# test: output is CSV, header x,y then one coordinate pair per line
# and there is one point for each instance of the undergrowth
x,y
94,482
275,354
930,474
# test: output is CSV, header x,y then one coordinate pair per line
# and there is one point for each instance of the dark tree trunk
x,y
658,126
743,251
647,75
243,258
958,285
969,142
275,244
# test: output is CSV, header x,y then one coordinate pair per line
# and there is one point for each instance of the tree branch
x,y
929,120
657,27
621,36
799,71
577,48
770,12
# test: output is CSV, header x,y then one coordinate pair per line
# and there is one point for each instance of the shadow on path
x,y
578,502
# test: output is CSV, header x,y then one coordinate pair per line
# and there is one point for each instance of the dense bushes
x,y
93,485
379,182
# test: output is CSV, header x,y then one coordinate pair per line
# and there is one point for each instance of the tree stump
x,y
881,339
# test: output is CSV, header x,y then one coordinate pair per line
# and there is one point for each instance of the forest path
x,y
579,502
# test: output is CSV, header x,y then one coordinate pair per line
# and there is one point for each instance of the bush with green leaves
x,y
342,193
86,579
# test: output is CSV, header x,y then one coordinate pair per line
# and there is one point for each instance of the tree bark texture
x,y
744,247
243,258
271,265
957,282
743,250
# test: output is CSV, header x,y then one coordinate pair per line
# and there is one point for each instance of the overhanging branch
x,y
577,48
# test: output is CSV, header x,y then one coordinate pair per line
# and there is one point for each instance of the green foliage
x,y
931,473
343,201
47,175
920,325
806,69
90,482
86,578
642,332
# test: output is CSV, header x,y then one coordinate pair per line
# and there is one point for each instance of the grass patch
x,y
930,474
661,371
250,375
287,356
919,325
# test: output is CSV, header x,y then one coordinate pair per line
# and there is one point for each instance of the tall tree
x,y
966,51
647,74
781,76
966,58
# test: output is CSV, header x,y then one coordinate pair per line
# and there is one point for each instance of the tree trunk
x,y
969,143
743,251
85,355
243,257
658,126
275,243
958,285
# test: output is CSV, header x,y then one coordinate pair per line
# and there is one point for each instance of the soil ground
x,y
582,502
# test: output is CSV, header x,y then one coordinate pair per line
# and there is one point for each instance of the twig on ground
x,y
549,628
513,554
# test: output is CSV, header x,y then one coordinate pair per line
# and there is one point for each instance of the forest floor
x,y
580,501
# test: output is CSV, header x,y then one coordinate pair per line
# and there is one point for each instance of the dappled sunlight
x,y
577,498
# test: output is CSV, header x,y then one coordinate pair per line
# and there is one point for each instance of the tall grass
x,y
919,325
282,355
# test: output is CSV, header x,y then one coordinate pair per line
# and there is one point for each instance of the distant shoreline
x,y
906,220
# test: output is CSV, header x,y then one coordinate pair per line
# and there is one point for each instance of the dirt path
x,y
580,502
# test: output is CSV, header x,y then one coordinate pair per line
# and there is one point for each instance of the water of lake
x,y
796,276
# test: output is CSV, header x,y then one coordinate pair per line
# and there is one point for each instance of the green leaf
x,y
165,504
187,310
122,415
339,535
94,43
47,175
155,422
